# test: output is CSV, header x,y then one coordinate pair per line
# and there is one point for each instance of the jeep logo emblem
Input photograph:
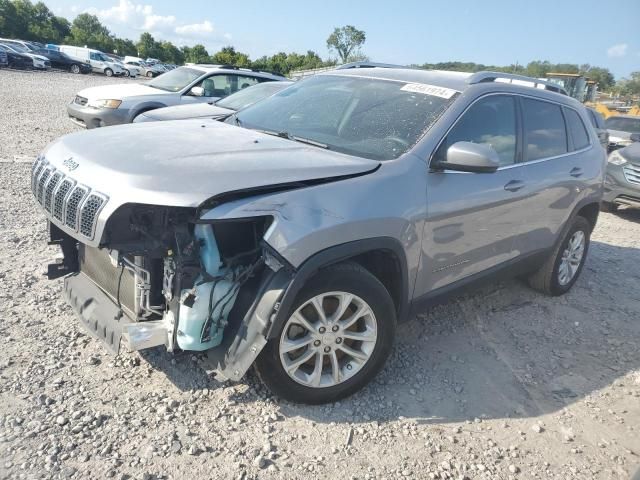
x,y
70,163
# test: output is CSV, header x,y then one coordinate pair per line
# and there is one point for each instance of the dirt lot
x,y
502,383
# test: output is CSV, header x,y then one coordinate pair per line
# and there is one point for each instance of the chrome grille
x,y
42,181
88,214
48,191
60,197
75,207
632,173
73,204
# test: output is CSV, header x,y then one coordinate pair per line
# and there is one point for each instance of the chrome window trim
x,y
515,164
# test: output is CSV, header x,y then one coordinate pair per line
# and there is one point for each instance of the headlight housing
x,y
104,103
616,159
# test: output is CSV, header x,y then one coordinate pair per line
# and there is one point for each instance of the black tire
x,y
546,280
149,74
344,277
108,72
127,73
609,207
74,68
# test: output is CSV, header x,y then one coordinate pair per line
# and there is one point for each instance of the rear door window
x,y
544,130
577,130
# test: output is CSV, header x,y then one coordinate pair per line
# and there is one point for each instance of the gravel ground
x,y
501,383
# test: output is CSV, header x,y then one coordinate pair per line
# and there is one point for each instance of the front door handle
x,y
575,172
514,185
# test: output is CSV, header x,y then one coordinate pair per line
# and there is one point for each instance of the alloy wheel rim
x,y
571,258
328,339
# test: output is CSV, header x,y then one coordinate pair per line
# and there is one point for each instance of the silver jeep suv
x,y
296,235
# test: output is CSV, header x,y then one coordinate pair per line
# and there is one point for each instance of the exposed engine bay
x,y
175,281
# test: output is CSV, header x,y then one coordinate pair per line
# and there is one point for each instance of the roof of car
x,y
206,67
459,81
440,78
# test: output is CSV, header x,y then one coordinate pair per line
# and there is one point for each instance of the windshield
x,y
367,117
630,125
250,95
175,80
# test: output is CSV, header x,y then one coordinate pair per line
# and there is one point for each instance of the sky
x,y
493,32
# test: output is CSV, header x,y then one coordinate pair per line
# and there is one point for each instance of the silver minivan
x,y
295,235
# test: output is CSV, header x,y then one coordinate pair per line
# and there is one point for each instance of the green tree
x,y
86,30
196,54
171,53
148,47
229,56
629,86
346,41
12,24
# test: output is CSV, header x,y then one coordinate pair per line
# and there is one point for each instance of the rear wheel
x,y
127,73
74,68
108,72
336,338
149,74
561,270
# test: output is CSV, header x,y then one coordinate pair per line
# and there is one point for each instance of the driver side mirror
x,y
470,157
197,91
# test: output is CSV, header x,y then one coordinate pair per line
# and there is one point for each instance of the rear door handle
x,y
575,172
514,185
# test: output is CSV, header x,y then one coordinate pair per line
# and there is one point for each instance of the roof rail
x,y
483,77
235,67
346,66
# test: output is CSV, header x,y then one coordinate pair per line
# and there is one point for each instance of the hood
x,y
119,92
183,163
182,112
617,135
631,153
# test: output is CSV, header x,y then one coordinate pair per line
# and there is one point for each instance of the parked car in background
x,y
64,62
597,121
31,46
99,62
297,234
622,183
39,62
17,60
4,62
115,104
621,128
143,69
215,110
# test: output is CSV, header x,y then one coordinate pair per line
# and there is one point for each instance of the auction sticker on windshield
x,y
429,90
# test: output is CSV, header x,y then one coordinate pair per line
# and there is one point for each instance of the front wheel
x,y
127,73
75,68
561,270
108,72
149,74
336,338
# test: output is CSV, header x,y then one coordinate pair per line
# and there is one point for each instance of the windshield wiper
x,y
295,138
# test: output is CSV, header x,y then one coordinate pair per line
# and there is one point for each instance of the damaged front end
x,y
161,276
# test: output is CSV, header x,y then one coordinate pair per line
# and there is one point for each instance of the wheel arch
x,y
146,107
383,257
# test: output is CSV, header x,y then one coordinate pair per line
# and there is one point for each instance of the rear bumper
x,y
617,189
88,117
